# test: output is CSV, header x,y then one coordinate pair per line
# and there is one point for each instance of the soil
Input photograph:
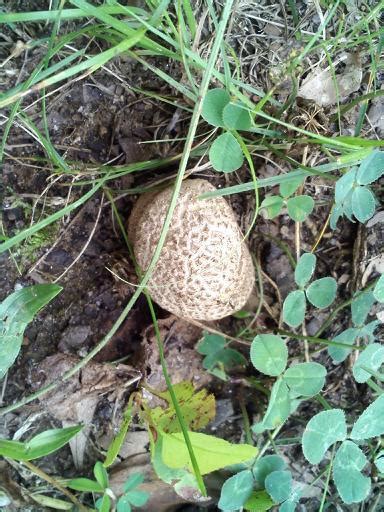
x,y
91,122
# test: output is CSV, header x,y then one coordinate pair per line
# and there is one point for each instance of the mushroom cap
x,y
205,271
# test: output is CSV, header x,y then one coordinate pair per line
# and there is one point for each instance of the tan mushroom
x,y
205,270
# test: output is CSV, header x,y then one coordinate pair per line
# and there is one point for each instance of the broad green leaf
x,y
304,269
352,486
214,102
259,501
237,117
378,291
294,308
47,502
321,432
42,444
361,306
289,505
273,205
164,472
137,498
85,485
305,379
211,452
117,442
226,154
379,461
101,474
367,331
103,504
344,185
133,481
123,504
363,204
348,337
198,408
265,466
299,207
289,187
16,311
236,491
322,292
269,354
211,343
371,168
218,356
50,441
371,358
278,484
337,212
370,423
279,408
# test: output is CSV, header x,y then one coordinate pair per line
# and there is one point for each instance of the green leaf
x,y
16,311
305,379
371,168
269,354
361,306
348,337
371,358
101,474
133,481
164,472
214,102
322,292
236,491
117,442
304,269
363,204
273,205
378,291
370,423
211,343
265,466
321,432
137,498
367,332
289,187
226,154
259,502
294,308
278,484
279,408
123,504
352,486
344,186
85,485
237,117
379,461
42,444
218,356
47,502
103,504
197,407
211,452
50,441
289,505
299,207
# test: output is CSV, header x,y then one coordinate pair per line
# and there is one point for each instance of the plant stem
x,y
40,473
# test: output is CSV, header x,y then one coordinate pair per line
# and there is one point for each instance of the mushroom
x,y
205,271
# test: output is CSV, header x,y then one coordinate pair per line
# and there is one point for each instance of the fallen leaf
x,y
320,84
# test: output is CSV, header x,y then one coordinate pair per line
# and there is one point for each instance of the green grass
x,y
86,38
